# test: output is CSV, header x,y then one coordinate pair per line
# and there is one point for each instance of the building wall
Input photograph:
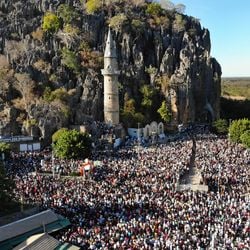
x,y
110,62
111,93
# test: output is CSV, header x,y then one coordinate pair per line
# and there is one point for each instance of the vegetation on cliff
x,y
55,48
164,112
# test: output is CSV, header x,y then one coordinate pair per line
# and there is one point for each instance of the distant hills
x,y
237,88
235,100
236,78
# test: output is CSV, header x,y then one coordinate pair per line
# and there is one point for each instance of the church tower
x,y
110,73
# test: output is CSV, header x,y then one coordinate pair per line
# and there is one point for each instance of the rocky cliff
x,y
50,75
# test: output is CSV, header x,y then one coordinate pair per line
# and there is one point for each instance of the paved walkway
x,y
192,179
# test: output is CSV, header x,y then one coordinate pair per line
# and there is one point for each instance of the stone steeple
x,y
110,49
110,73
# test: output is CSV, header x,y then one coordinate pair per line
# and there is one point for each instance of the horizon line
x,y
235,76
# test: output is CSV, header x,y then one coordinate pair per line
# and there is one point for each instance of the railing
x,y
16,138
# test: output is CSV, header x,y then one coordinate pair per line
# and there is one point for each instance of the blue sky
x,y
229,24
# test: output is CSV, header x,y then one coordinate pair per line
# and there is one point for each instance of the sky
x,y
229,24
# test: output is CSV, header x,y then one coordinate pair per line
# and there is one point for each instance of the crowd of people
x,y
131,200
223,164
22,163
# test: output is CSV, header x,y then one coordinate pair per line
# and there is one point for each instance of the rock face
x,y
179,52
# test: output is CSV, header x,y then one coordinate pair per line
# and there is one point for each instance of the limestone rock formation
x,y
174,45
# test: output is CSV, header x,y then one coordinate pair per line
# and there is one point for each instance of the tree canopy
x,y
220,126
129,116
148,93
116,22
71,144
70,60
58,134
238,128
60,94
93,6
245,138
154,9
67,13
51,22
164,112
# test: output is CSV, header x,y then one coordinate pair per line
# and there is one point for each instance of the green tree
x,y
179,23
245,138
4,149
71,30
164,112
51,22
70,60
59,94
163,81
129,104
148,93
138,117
127,118
47,94
137,25
58,134
72,144
151,70
154,9
30,123
93,6
238,128
116,22
67,13
220,126
150,102
131,119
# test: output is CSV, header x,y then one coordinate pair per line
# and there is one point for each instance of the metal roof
x,y
27,224
44,241
38,242
67,246
14,233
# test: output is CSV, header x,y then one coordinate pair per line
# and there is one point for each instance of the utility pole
x,y
219,173
44,229
138,139
53,164
21,203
